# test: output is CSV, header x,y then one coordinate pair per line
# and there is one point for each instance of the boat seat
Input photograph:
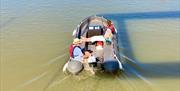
x,y
94,31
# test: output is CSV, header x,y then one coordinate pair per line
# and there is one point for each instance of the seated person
x,y
89,58
76,51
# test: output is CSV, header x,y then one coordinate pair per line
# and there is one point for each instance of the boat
x,y
109,56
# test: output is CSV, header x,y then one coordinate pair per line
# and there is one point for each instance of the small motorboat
x,y
108,58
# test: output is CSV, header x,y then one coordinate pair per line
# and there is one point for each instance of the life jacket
x,y
71,49
112,28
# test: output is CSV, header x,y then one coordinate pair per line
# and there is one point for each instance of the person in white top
x,y
88,55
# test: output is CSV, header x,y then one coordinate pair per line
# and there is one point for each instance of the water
x,y
35,36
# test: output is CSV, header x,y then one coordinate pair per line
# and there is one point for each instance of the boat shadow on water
x,y
132,67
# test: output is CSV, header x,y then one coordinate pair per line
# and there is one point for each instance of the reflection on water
x,y
35,36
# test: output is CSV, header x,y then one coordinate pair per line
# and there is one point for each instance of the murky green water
x,y
35,35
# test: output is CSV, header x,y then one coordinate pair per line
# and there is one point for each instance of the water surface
x,y
35,36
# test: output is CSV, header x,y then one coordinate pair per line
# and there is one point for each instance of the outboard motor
x,y
75,66
110,65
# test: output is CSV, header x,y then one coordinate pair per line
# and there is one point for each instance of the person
x,y
77,53
88,55
75,50
109,32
